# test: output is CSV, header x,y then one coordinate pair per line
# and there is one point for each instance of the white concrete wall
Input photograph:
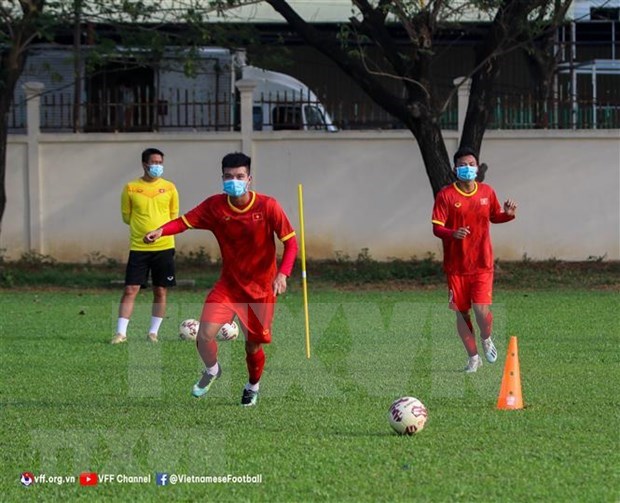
x,y
361,190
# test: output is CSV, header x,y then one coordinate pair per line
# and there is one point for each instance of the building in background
x,y
124,96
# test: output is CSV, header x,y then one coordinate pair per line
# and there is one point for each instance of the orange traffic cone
x,y
510,392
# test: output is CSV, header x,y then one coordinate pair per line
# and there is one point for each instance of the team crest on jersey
x,y
257,216
161,191
457,204
484,201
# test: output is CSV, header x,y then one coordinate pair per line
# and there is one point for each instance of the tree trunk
x,y
12,60
434,154
542,64
3,140
509,25
415,111
479,106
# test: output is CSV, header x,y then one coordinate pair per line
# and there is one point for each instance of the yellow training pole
x,y
304,283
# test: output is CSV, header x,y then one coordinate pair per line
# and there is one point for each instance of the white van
x,y
282,102
124,94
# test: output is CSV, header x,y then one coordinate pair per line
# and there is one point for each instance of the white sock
x,y
253,387
121,326
155,324
213,370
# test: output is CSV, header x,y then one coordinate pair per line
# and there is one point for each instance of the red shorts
x,y
255,315
465,289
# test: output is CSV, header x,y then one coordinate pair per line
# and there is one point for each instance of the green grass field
x,y
72,403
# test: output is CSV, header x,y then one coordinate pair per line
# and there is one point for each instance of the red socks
x,y
256,363
465,329
486,326
208,352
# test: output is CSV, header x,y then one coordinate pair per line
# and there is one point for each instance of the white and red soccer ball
x,y
188,330
228,332
407,415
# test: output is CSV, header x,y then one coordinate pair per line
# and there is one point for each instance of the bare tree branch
x,y
350,65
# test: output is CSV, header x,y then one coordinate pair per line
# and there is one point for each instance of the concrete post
x,y
33,92
464,86
246,90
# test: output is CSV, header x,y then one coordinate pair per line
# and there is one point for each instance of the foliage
x,y
100,271
195,259
399,77
319,431
123,30
366,270
99,259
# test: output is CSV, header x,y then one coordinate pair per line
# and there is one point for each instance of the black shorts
x,y
159,263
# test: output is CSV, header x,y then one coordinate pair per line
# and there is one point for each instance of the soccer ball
x,y
188,330
228,332
407,415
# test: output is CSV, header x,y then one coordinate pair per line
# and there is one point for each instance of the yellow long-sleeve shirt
x,y
146,206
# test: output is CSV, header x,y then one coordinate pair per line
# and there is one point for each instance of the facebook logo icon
x,y
161,479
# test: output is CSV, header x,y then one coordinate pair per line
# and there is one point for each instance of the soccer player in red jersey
x,y
461,217
244,223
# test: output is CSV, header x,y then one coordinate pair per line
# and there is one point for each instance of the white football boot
x,y
473,364
489,350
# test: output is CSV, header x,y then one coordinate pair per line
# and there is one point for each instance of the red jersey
x,y
246,239
453,209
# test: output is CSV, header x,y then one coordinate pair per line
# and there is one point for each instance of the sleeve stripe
x,y
186,222
438,222
288,236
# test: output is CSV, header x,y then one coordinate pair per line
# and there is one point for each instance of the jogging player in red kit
x,y
244,224
461,217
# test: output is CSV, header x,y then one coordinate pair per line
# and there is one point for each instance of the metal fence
x,y
525,112
179,110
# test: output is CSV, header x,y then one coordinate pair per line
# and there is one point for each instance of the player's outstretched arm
x,y
171,228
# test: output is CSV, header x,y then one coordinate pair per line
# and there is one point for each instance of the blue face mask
x,y
155,170
466,173
235,188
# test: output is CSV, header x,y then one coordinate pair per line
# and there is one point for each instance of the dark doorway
x,y
121,97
